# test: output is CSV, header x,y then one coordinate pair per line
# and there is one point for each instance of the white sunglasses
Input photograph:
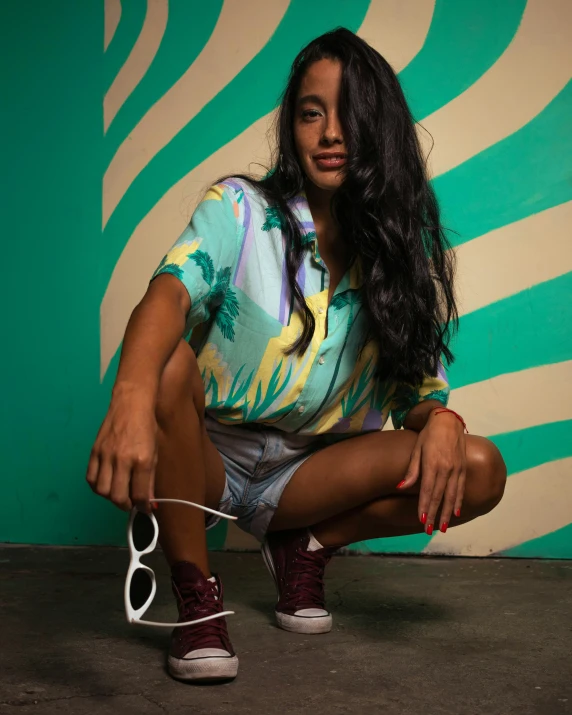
x,y
140,583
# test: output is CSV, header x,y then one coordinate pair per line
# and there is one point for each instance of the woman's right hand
x,y
123,459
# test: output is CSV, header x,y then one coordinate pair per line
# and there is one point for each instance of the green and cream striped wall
x,y
189,92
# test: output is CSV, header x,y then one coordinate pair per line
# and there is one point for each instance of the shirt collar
x,y
301,210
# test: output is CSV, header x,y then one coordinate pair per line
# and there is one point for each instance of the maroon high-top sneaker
x,y
299,577
202,651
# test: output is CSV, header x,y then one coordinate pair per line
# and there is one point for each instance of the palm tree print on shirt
x,y
172,268
274,218
220,292
407,397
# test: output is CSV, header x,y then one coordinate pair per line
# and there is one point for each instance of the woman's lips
x,y
331,162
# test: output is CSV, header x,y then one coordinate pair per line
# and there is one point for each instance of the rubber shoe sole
x,y
295,624
203,669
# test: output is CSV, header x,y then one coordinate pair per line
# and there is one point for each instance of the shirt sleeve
x,y
406,397
204,256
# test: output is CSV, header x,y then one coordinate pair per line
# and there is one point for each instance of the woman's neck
x,y
319,202
332,248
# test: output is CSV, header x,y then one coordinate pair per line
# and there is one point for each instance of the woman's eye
x,y
310,113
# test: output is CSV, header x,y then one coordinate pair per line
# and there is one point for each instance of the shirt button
x,y
320,311
301,409
321,361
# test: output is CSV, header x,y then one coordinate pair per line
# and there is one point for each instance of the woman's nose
x,y
333,133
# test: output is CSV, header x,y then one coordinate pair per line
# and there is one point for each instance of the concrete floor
x,y
434,636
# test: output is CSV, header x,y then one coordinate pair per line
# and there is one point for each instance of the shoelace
x,y
196,604
309,567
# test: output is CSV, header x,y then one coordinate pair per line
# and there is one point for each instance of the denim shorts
x,y
259,462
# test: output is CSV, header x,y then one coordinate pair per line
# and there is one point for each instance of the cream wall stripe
x,y
539,245
397,29
161,227
516,400
112,15
517,518
139,60
235,41
529,74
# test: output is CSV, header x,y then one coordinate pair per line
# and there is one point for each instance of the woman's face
x,y
317,129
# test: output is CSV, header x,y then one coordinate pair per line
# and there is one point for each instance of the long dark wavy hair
x,y
386,210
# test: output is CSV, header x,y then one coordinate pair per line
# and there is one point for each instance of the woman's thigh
x,y
180,413
368,467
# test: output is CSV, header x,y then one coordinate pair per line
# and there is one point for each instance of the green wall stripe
x,y
515,178
465,39
186,34
411,544
129,28
216,537
556,545
531,447
526,330
252,94
51,400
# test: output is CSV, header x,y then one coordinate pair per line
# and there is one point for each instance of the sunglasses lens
x,y
143,531
140,590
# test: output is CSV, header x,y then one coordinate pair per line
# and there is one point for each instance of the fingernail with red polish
x,y
429,530
401,483
423,518
458,512
444,526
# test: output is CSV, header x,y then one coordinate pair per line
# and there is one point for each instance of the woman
x,y
320,300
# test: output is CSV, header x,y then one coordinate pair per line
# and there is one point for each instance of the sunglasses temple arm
x,y
185,623
199,506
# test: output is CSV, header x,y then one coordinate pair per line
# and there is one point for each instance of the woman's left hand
x,y
439,458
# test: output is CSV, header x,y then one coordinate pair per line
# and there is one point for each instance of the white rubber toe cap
x,y
312,613
305,624
206,667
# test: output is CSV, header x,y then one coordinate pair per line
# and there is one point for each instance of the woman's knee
x,y
181,381
486,475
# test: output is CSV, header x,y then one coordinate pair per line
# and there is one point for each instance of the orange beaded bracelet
x,y
437,410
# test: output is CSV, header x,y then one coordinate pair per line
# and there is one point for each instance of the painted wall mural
x,y
189,94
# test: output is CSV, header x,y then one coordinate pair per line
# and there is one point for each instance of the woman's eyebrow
x,y
314,98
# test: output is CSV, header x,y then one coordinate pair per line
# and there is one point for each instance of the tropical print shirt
x,y
231,260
